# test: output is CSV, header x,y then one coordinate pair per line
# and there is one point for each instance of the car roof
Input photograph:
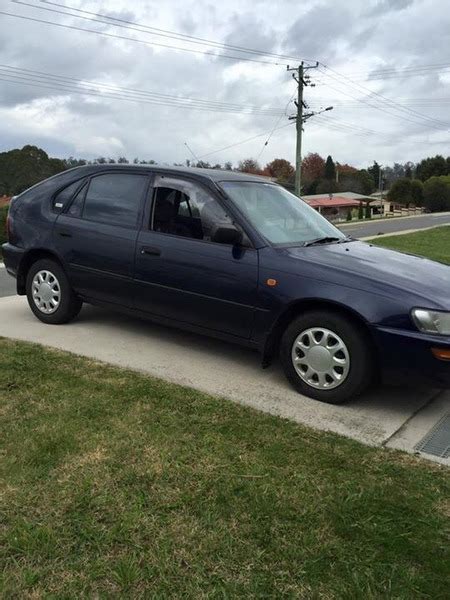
x,y
211,174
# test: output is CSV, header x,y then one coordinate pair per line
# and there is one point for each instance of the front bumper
x,y
12,255
406,357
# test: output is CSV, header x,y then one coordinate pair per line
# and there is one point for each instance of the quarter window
x,y
114,199
185,209
76,207
62,199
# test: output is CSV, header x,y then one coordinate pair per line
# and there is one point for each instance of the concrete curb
x,y
403,232
389,219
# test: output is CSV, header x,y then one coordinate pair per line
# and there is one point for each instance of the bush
x,y
436,193
3,213
368,214
401,191
360,211
349,215
417,192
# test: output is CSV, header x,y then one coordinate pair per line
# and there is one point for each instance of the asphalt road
x,y
7,283
393,225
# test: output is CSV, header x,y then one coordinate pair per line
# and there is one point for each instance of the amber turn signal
x,y
271,282
441,353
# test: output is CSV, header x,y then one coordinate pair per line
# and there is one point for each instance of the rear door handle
x,y
65,234
152,251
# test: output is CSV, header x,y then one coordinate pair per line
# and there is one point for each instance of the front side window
x,y
185,209
278,215
114,198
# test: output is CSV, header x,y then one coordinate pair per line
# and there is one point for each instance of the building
x,y
335,207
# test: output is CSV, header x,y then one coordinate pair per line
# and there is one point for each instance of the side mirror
x,y
227,235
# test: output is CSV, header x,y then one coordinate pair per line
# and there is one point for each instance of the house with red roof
x,y
335,207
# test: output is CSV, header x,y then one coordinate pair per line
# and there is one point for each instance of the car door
x,y
96,235
182,273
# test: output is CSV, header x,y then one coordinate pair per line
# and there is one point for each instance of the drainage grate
x,y
437,440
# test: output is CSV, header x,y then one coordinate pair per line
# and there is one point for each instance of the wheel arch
x,y
28,259
273,339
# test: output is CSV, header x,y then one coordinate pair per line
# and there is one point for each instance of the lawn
x,y
119,485
432,243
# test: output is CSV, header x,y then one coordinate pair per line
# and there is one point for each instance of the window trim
x,y
148,225
142,200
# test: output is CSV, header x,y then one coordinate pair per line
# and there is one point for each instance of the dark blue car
x,y
237,257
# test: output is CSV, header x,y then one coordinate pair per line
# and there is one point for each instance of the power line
x,y
32,75
275,126
391,103
381,108
138,40
241,142
28,80
64,88
167,33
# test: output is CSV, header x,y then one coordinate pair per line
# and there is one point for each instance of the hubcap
x,y
46,292
320,358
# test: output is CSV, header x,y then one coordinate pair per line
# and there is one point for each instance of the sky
x,y
384,66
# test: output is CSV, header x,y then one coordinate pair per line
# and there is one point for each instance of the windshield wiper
x,y
322,240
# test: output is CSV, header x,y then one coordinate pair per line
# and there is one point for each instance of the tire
x,y
334,373
59,303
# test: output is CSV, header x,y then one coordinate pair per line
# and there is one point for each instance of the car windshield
x,y
281,217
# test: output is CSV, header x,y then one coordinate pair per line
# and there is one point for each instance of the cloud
x,y
353,38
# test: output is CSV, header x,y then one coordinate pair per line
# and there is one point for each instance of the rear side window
x,y
115,199
62,199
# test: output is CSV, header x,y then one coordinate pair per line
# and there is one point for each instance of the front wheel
x,y
326,357
49,293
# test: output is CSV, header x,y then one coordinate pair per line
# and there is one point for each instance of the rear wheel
x,y
49,293
327,357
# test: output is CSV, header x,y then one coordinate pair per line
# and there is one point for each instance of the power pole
x,y
303,81
380,187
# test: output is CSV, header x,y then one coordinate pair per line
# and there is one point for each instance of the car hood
x,y
378,269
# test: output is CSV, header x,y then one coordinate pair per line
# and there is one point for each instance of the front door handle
x,y
65,234
151,250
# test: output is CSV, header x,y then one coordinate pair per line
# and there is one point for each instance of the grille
x,y
437,440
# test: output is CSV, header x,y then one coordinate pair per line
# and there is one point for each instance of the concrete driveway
x,y
396,418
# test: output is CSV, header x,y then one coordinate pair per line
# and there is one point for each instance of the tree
x,y
436,193
249,165
330,169
368,212
349,214
72,162
281,169
20,169
374,171
326,186
122,160
430,167
417,192
313,167
228,166
401,191
360,211
201,164
359,182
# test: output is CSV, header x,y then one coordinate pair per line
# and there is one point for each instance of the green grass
x,y
431,243
120,485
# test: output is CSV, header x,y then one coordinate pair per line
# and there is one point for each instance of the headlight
x,y
431,321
